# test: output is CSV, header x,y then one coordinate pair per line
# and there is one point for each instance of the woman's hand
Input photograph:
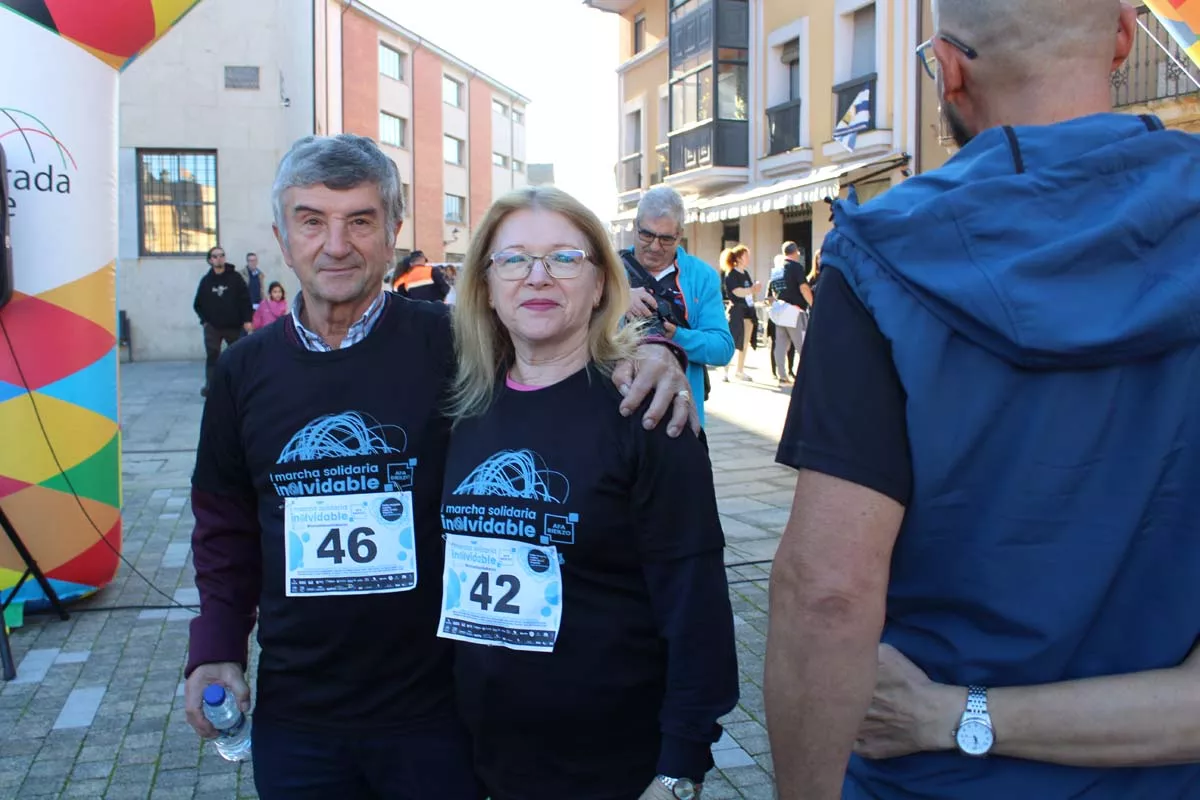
x,y
909,713
655,373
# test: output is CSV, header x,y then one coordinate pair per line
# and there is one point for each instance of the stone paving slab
x,y
97,708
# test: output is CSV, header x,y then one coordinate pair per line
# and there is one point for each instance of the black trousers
x,y
212,347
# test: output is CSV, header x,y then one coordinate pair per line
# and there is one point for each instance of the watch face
x,y
684,789
974,737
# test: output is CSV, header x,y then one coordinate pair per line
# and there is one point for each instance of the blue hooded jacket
x,y
1041,295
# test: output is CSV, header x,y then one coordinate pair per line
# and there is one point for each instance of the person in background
x,y
254,280
789,312
222,303
814,274
271,309
594,663
677,294
418,280
997,427
450,273
740,289
774,286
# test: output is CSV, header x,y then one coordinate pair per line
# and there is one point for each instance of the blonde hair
x,y
816,267
730,256
482,343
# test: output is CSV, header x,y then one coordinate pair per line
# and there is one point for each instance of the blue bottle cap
x,y
214,694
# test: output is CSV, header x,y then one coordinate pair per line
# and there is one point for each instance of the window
x,y
451,92
499,108
791,59
452,150
518,117
499,160
391,62
633,132
455,208
863,59
691,99
733,90
518,166
639,33
455,258
391,129
177,202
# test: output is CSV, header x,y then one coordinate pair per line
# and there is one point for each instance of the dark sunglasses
x,y
928,60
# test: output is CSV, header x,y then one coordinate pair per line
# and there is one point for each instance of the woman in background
x,y
740,289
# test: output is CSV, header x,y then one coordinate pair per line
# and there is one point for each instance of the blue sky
x,y
560,54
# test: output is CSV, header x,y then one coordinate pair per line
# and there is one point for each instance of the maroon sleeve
x,y
670,345
228,560
226,542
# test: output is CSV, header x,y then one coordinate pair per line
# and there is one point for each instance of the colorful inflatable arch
x,y
1182,19
60,466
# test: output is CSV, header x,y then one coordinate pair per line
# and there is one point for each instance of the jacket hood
x,y
1067,245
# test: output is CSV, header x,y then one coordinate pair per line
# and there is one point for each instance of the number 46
x,y
480,594
362,550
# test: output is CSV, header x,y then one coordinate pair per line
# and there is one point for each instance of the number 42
x,y
362,550
481,595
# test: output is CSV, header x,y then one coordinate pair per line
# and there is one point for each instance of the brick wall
x,y
479,122
360,75
428,195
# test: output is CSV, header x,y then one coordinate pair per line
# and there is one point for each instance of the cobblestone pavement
x,y
96,710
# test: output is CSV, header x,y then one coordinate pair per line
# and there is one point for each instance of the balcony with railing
x,y
662,164
1157,69
629,174
854,131
786,152
783,127
721,147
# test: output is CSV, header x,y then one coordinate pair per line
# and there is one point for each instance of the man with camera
x,y
677,293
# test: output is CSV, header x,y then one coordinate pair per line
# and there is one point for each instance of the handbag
x,y
784,315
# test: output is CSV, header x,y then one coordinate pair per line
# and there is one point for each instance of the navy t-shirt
x,y
628,512
285,424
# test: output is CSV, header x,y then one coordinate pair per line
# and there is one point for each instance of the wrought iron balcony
x,y
1155,70
630,173
783,127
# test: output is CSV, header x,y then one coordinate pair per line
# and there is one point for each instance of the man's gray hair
x,y
659,202
339,162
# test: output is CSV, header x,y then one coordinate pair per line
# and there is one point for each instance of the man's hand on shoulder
x,y
655,373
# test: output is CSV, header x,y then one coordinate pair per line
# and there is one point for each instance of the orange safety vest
x,y
421,275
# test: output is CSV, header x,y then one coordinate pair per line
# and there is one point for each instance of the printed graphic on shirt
x,y
348,523
502,584
219,289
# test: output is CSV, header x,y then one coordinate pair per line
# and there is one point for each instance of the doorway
x,y
800,232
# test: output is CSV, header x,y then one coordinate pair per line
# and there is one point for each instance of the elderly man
x,y
316,495
997,426
677,293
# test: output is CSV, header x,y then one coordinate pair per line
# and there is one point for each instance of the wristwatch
x,y
974,735
681,788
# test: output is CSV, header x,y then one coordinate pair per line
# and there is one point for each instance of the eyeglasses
x,y
929,61
515,265
648,237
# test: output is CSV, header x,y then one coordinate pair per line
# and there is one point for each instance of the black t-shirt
x,y
561,466
290,423
737,279
793,278
847,414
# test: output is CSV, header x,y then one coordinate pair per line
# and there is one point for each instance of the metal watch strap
x,y
977,700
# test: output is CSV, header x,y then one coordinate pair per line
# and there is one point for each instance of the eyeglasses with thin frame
x,y
515,265
929,61
648,237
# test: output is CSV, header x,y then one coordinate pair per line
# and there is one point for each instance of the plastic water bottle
x,y
221,709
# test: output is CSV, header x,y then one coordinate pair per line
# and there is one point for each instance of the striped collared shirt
x,y
358,331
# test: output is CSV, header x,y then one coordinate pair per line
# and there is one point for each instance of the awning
x,y
775,195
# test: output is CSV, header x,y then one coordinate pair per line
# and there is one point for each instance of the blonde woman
x,y
740,288
584,582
